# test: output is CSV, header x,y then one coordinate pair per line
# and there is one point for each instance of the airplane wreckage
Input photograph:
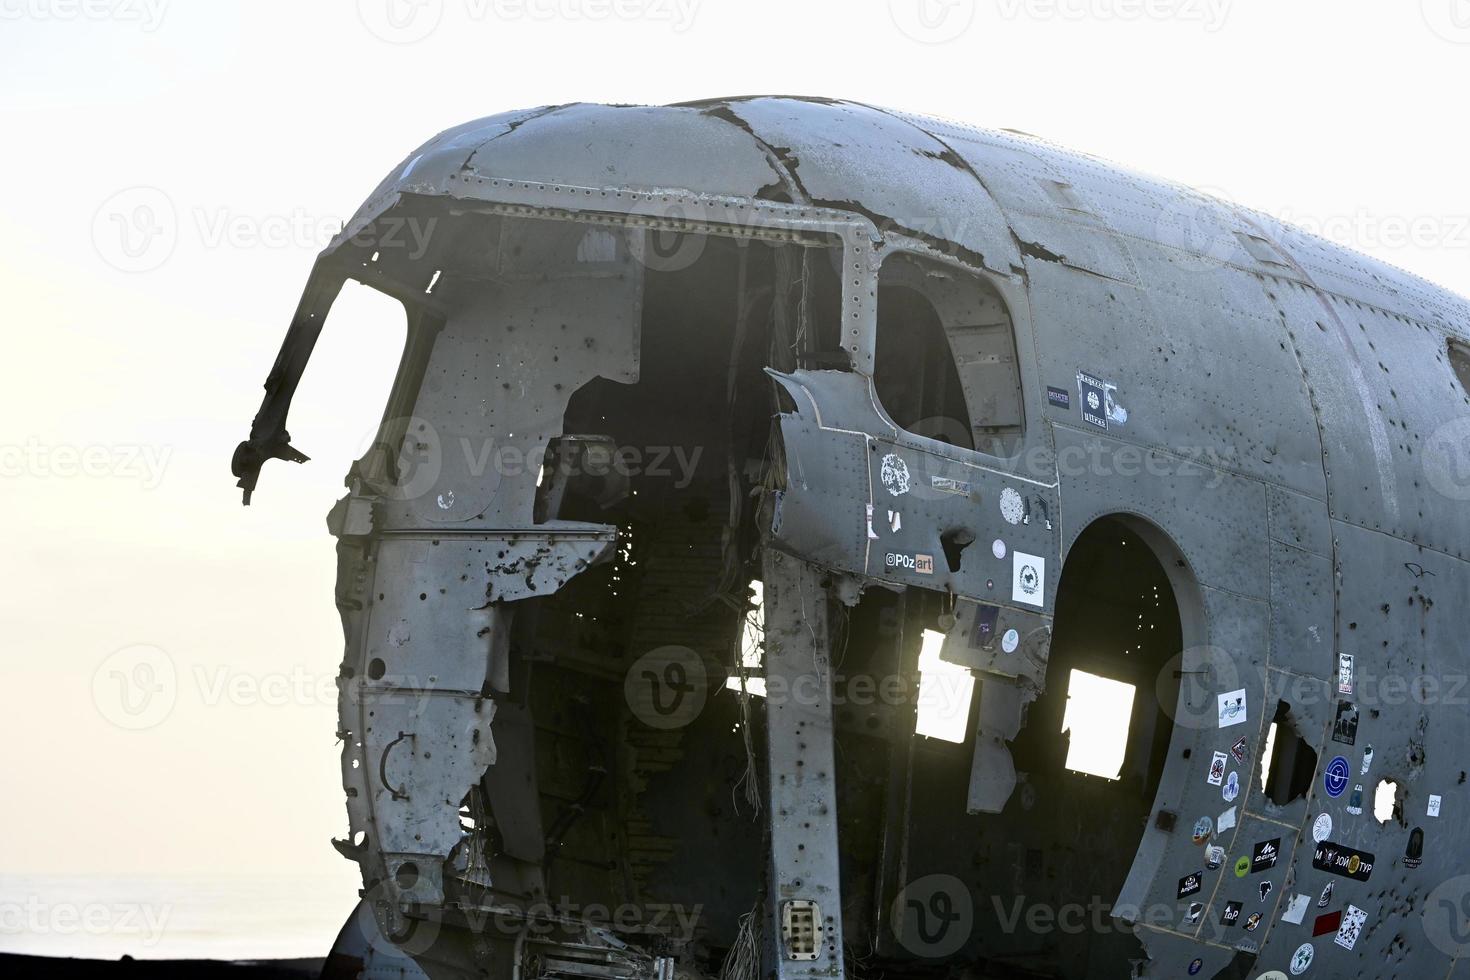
x,y
719,428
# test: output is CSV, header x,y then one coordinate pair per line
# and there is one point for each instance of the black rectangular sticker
x,y
1345,728
1059,397
1341,860
1094,396
1264,855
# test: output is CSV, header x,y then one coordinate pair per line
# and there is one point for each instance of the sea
x,y
225,917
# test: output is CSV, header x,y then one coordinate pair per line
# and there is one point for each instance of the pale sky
x,y
251,129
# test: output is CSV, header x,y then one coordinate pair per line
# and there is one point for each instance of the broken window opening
x,y
945,693
1096,723
945,364
1386,803
1288,763
349,381
671,458
1459,354
748,676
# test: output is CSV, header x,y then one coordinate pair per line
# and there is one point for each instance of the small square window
x,y
1098,714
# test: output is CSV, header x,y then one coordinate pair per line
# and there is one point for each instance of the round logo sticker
x,y
1302,959
1322,828
1242,867
1010,641
1336,777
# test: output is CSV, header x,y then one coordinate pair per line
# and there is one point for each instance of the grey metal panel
x,y
1299,521
1382,387
650,148
1301,612
1199,380
427,169
848,155
1217,520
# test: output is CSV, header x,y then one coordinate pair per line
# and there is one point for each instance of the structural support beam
x,y
806,898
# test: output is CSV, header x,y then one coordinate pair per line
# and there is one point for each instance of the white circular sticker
x,y
1010,641
1322,829
998,548
1302,959
1012,507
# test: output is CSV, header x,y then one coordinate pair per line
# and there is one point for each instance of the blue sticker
x,y
1337,777
1196,965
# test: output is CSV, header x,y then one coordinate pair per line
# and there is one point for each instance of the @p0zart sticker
x,y
921,564
1231,708
1028,578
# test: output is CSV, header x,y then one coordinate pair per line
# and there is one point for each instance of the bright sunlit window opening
x,y
945,691
752,633
1097,715
1266,754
